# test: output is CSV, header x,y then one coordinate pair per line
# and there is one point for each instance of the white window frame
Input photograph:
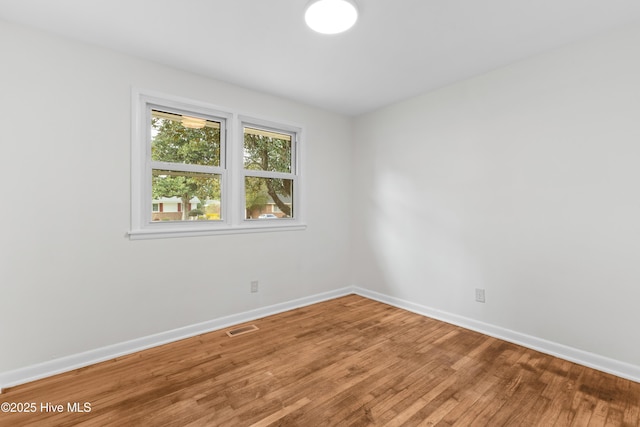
x,y
294,175
231,170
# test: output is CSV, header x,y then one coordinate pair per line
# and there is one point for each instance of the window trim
x,y
294,175
231,171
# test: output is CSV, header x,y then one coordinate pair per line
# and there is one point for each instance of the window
x,y
269,178
198,169
186,165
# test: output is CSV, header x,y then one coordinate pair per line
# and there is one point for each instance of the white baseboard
x,y
69,363
591,360
75,361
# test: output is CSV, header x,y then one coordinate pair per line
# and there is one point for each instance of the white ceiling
x,y
398,48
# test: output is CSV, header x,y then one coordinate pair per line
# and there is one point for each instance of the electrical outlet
x,y
254,286
479,295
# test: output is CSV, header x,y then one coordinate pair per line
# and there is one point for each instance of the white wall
x,y
71,280
524,181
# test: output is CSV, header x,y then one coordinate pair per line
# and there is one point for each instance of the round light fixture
x,y
193,122
331,16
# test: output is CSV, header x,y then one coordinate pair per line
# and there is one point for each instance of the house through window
x,y
185,167
268,173
198,170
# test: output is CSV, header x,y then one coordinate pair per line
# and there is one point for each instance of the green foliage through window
x,y
270,152
173,142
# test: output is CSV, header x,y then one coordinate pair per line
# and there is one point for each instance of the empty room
x,y
320,213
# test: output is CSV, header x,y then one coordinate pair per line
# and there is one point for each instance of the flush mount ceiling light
x,y
331,16
193,122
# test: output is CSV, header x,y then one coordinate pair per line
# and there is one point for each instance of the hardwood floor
x,y
346,362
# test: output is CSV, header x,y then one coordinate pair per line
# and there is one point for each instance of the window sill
x,y
168,233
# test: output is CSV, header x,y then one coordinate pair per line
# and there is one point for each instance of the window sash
x,y
186,167
231,171
271,129
150,165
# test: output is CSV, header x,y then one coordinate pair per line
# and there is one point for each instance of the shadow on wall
x,y
419,244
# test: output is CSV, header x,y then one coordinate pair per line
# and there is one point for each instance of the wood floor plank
x,y
350,361
281,413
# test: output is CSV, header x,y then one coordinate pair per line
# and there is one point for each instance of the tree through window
x,y
185,155
269,173
198,169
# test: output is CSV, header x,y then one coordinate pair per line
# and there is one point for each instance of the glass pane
x,y
184,139
184,196
268,198
267,150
